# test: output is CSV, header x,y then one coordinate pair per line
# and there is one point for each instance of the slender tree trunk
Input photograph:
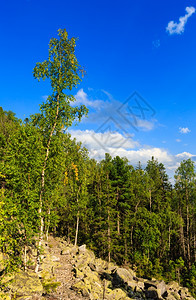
x,y
194,247
77,226
77,220
25,258
48,225
41,231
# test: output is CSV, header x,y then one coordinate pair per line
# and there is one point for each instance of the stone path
x,y
63,274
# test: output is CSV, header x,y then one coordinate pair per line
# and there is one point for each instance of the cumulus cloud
x,y
109,141
82,98
98,143
184,130
185,155
178,140
178,28
114,143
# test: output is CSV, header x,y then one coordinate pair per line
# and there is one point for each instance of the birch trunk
x,y
78,218
43,186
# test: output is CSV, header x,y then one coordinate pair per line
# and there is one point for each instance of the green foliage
x,y
50,285
63,72
126,214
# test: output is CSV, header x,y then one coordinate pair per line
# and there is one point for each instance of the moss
x,y
81,288
26,283
4,296
117,294
50,285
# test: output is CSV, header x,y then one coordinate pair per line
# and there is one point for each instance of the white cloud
x,y
116,143
184,130
82,98
178,140
178,28
146,125
109,141
185,155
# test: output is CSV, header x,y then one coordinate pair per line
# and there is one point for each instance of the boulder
x,y
116,294
122,276
171,297
69,250
82,248
81,288
55,258
159,286
183,292
173,286
26,284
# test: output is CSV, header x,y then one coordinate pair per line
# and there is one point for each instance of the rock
x,y
4,296
183,292
26,284
25,298
116,294
92,266
69,250
132,285
173,285
83,260
160,287
78,273
65,251
55,258
82,248
140,285
101,265
137,286
170,297
122,275
176,295
81,288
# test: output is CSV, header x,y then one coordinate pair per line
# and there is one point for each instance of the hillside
x,y
69,272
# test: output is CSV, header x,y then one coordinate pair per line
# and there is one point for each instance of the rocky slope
x,y
68,272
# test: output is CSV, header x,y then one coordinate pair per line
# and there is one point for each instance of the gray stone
x,y
160,287
65,251
122,275
82,248
55,258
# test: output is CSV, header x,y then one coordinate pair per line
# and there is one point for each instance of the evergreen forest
x,y
49,185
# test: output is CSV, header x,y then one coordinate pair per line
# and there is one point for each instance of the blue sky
x,y
147,47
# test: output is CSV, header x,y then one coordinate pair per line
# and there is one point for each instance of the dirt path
x,y
63,273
